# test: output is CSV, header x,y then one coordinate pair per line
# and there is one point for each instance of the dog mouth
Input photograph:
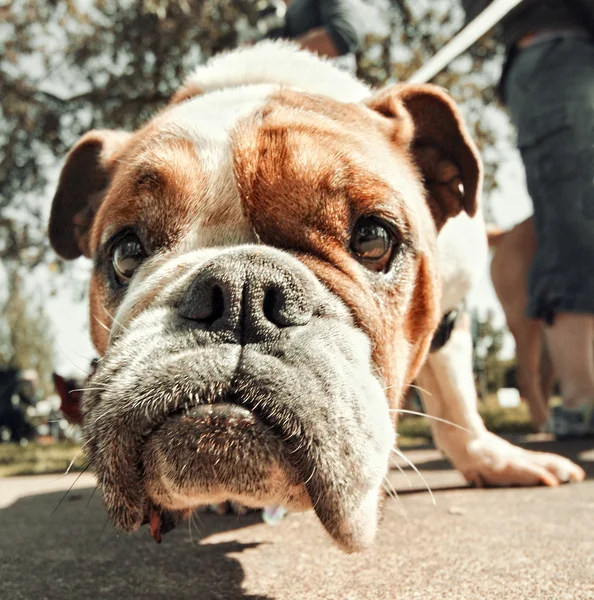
x,y
205,454
267,431
209,453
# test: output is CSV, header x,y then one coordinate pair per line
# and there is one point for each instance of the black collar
x,y
444,331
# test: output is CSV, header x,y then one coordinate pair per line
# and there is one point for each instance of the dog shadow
x,y
54,550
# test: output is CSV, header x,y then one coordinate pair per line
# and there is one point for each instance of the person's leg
x,y
570,346
551,98
509,267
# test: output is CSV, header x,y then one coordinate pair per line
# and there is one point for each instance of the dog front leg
x,y
448,392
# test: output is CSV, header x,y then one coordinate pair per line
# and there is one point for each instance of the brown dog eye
x,y
127,256
372,243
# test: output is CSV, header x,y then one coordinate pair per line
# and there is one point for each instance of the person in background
x,y
329,28
548,86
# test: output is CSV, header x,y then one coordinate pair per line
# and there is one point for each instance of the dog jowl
x,y
264,286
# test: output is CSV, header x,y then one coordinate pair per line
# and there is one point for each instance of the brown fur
x,y
302,184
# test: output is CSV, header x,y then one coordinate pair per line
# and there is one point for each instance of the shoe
x,y
571,423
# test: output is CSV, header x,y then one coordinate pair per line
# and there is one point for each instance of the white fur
x,y
449,393
208,121
462,253
282,64
236,86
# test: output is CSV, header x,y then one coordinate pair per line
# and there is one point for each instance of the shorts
x,y
550,93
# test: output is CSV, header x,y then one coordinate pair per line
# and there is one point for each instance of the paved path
x,y
515,544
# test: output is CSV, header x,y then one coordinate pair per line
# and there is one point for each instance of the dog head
x,y
264,285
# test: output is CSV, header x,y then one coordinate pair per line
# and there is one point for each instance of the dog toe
x,y
491,461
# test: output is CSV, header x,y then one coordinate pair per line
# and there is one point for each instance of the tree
x,y
491,369
417,30
26,341
67,66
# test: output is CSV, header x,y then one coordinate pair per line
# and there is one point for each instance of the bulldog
x,y
271,260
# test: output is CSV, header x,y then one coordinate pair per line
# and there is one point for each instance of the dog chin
x,y
217,452
170,425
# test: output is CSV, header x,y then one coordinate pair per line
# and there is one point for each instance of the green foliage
x,y
25,334
36,458
67,66
489,339
418,29
503,421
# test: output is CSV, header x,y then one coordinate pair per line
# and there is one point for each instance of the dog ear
x,y
430,123
83,182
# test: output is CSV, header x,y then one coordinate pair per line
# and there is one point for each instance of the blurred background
x,y
68,66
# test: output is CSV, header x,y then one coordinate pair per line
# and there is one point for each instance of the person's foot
x,y
568,423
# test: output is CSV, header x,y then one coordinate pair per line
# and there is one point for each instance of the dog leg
x,y
449,393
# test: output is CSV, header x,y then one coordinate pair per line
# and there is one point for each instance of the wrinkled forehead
x,y
202,170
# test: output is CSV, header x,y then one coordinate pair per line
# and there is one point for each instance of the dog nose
x,y
249,294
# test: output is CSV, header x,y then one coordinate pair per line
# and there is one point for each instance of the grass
x,y
36,458
415,430
39,458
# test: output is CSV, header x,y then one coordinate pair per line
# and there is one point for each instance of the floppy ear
x,y
83,182
439,144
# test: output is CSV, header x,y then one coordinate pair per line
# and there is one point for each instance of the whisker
x,y
420,414
72,462
418,387
101,323
89,389
411,385
392,493
69,490
399,452
197,523
70,360
90,498
104,527
408,479
114,320
190,530
311,476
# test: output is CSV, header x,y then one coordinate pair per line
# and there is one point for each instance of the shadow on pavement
x,y
74,553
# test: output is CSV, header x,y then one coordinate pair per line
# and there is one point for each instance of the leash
x,y
464,39
485,21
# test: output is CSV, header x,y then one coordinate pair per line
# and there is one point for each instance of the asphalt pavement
x,y
521,543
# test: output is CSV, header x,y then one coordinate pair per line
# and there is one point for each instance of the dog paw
x,y
491,461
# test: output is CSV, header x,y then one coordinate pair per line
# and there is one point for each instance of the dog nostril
x,y
205,304
269,306
285,309
218,305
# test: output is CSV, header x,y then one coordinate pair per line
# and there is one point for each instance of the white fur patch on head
x,y
208,121
281,63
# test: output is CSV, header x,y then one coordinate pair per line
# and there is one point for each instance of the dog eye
x,y
127,255
372,243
